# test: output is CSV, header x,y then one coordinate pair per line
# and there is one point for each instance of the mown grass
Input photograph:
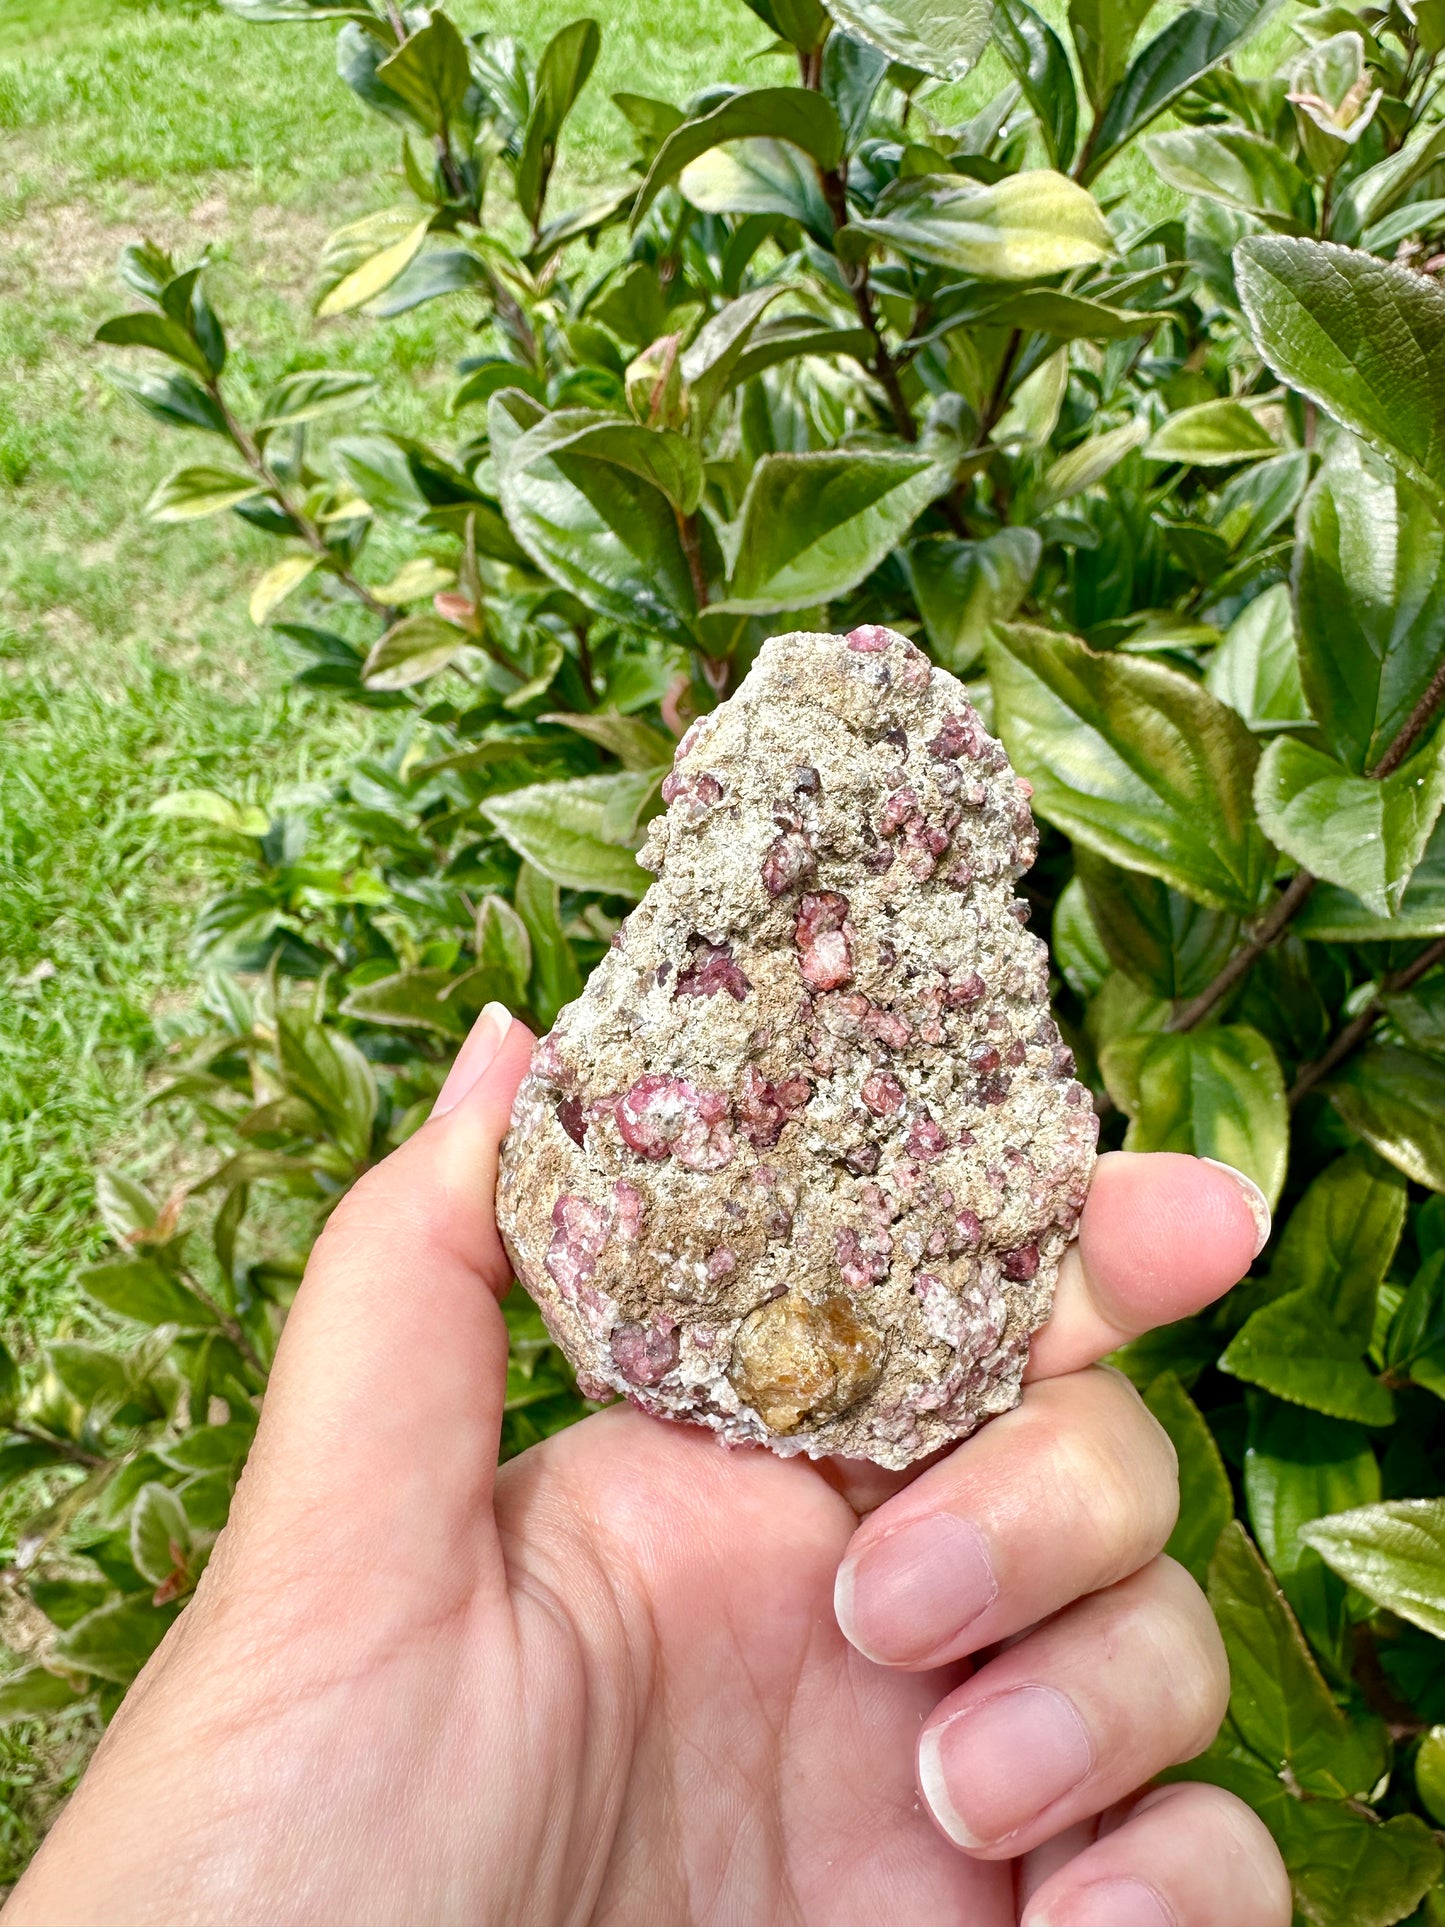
x,y
127,664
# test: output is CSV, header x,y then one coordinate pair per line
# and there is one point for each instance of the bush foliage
x,y
1169,491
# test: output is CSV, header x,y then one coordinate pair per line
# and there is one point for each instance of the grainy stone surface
x,y
802,1161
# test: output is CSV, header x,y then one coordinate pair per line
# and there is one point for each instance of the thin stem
x,y
584,663
310,534
691,538
398,25
1266,932
452,173
1293,899
1085,154
72,1454
1415,725
882,366
1359,1027
994,406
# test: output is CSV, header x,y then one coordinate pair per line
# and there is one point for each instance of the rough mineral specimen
x,y
801,1163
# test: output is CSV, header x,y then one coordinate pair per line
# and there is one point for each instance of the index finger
x,y
1162,1235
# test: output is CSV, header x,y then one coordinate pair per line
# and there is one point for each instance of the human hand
x,y
606,1683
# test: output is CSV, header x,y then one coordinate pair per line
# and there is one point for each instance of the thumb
x,y
378,1442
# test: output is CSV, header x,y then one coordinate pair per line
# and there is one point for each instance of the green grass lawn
x,y
127,665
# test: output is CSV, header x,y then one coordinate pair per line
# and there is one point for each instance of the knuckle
x,y
1108,1460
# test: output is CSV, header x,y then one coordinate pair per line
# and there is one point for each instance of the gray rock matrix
x,y
801,1162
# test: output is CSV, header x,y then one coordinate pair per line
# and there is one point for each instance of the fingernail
x,y
483,1041
990,1769
1108,1903
1256,1200
915,1588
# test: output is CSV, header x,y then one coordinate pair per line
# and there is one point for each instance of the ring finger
x,y
1076,1715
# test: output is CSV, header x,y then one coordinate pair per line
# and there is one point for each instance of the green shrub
x,y
1169,488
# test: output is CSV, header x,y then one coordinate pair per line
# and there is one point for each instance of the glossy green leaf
x,y
1023,227
1164,941
710,362
209,1448
125,1207
34,1693
562,72
1360,336
272,589
504,946
1206,1503
787,337
140,1289
1299,1465
801,22
1212,434
1340,1239
1394,1553
1369,584
93,1376
1395,1099
1077,947
1367,198
1293,1350
115,1640
792,114
1278,1701
1364,835
1087,463
1037,59
561,829
963,587
943,37
852,73
759,177
326,1068
1068,317
1191,43
375,270
1241,169
311,393
409,1000
1334,915
1430,1773
160,1533
1256,669
166,336
1133,760
189,494
637,745
812,526
1213,1093
594,524
555,979
175,399
412,650
1104,32
430,72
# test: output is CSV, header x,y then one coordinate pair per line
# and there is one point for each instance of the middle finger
x,y
1074,1489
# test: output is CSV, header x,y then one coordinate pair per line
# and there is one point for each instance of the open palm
x,y
610,1683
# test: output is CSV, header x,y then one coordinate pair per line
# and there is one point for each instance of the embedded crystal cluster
x,y
801,1162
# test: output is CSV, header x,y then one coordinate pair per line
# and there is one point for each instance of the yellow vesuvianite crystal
x,y
794,1360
